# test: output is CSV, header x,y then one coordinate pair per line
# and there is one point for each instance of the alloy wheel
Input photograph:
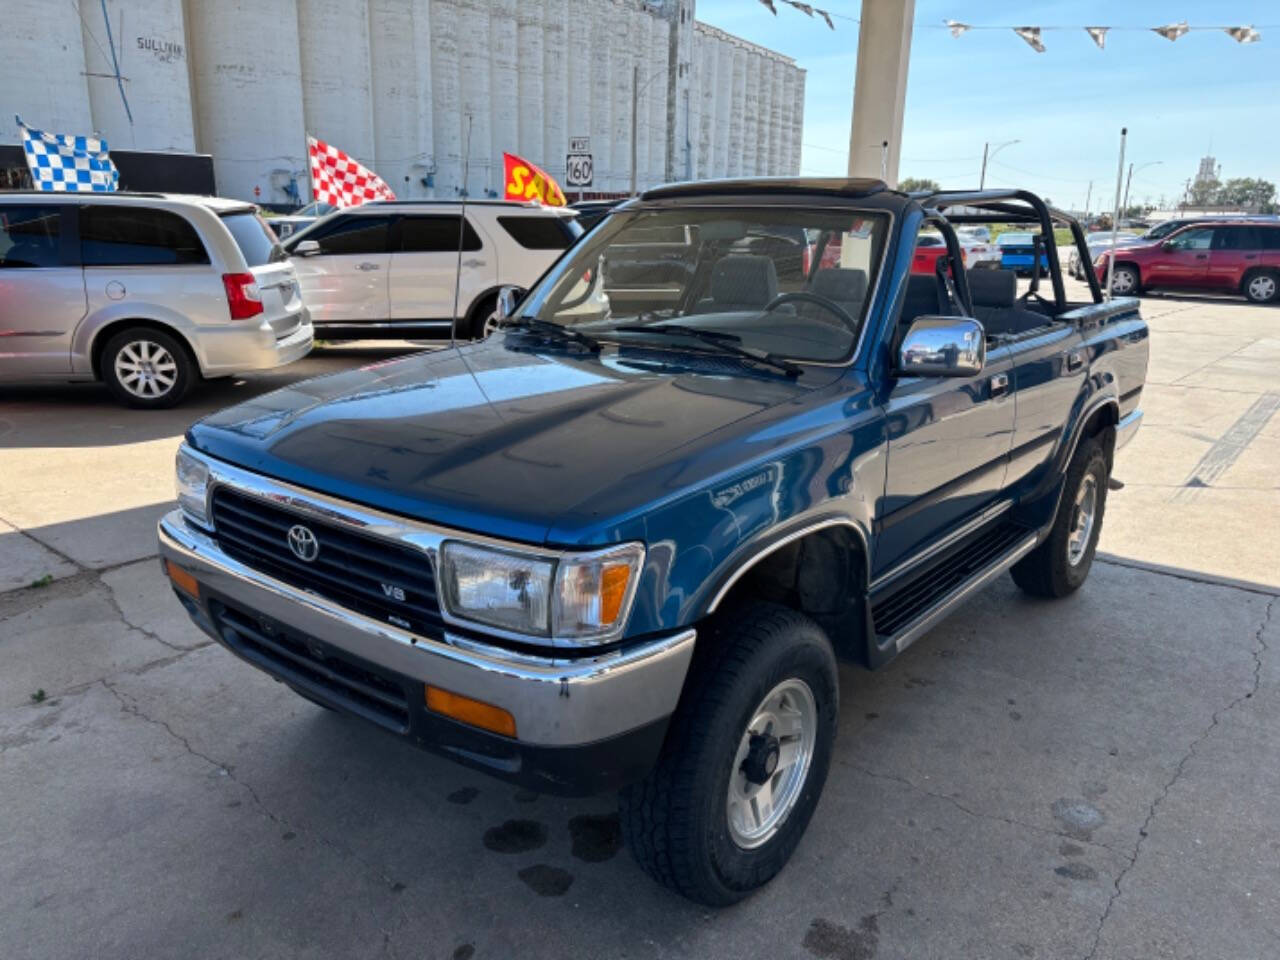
x,y
146,369
1082,519
1262,288
772,763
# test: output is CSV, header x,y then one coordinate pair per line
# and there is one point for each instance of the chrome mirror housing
x,y
943,347
508,298
307,248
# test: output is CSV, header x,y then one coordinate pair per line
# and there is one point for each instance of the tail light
x,y
243,296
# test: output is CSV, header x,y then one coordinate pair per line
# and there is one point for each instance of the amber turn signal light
x,y
475,713
182,580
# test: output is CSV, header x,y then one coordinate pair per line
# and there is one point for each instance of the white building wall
x,y
477,104
764,105
797,123
659,50
390,82
621,78
151,49
707,49
737,104
337,100
750,113
248,84
504,89
422,166
446,88
42,70
600,106
724,107
395,91
531,75
557,97
778,74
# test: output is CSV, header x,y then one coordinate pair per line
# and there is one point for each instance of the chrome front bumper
x,y
555,702
1127,428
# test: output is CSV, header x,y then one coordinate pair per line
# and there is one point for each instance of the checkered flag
x,y
341,181
65,163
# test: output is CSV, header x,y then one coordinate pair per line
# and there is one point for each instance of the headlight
x,y
580,598
192,477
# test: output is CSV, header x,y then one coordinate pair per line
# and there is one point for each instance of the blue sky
x,y
1066,105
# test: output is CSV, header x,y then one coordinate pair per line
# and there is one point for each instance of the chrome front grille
x,y
391,582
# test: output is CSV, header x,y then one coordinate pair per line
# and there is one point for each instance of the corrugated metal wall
x,y
392,81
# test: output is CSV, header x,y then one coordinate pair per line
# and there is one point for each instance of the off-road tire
x,y
134,343
1046,571
675,821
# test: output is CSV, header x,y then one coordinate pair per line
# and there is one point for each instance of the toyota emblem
x,y
303,543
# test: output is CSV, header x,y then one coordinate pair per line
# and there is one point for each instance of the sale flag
x,y
527,181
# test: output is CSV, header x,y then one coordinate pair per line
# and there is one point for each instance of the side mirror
x,y
1168,245
943,347
508,299
307,248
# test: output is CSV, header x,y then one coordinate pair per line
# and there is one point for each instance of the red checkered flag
x,y
341,181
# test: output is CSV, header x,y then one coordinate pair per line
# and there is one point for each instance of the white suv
x,y
147,292
387,269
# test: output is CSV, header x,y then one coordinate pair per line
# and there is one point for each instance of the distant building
x,y
1209,170
401,85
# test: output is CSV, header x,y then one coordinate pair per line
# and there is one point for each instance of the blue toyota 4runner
x,y
622,543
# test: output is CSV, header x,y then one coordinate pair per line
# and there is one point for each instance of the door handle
x,y
366,266
472,263
1074,360
999,385
1251,256
1202,256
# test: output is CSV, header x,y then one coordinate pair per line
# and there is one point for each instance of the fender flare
x,y
757,550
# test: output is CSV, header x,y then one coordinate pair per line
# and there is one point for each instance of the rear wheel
x,y
1124,281
484,318
1262,286
745,760
1061,563
147,368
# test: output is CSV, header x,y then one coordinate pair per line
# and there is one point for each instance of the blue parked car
x,y
622,543
1018,253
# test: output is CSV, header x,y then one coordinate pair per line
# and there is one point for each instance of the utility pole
x,y
1128,180
1087,197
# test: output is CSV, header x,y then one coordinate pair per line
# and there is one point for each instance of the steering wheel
x,y
805,295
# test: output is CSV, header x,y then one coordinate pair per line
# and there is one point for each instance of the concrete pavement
x,y
1087,778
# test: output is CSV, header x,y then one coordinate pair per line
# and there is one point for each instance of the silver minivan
x,y
146,292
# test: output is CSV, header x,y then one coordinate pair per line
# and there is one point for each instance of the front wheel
x,y
1060,564
745,760
484,318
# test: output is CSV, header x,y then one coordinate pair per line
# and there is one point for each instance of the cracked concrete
x,y
166,798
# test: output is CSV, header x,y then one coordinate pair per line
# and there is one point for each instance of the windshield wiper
x,y
552,329
724,342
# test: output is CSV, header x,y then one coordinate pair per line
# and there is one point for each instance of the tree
x,y
1248,192
913,184
1204,193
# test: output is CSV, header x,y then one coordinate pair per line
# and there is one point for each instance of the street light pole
x,y
982,180
1125,206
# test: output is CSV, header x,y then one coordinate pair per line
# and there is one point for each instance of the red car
x,y
1223,257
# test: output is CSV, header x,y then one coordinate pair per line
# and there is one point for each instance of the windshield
x,y
254,238
791,283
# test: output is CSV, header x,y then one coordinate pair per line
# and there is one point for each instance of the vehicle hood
x,y
495,438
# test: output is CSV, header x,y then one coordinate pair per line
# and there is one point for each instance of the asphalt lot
x,y
1090,778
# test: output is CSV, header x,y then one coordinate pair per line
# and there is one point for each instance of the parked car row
x,y
1225,257
149,293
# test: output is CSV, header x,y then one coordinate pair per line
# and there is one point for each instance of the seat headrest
x,y
840,284
993,288
744,279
